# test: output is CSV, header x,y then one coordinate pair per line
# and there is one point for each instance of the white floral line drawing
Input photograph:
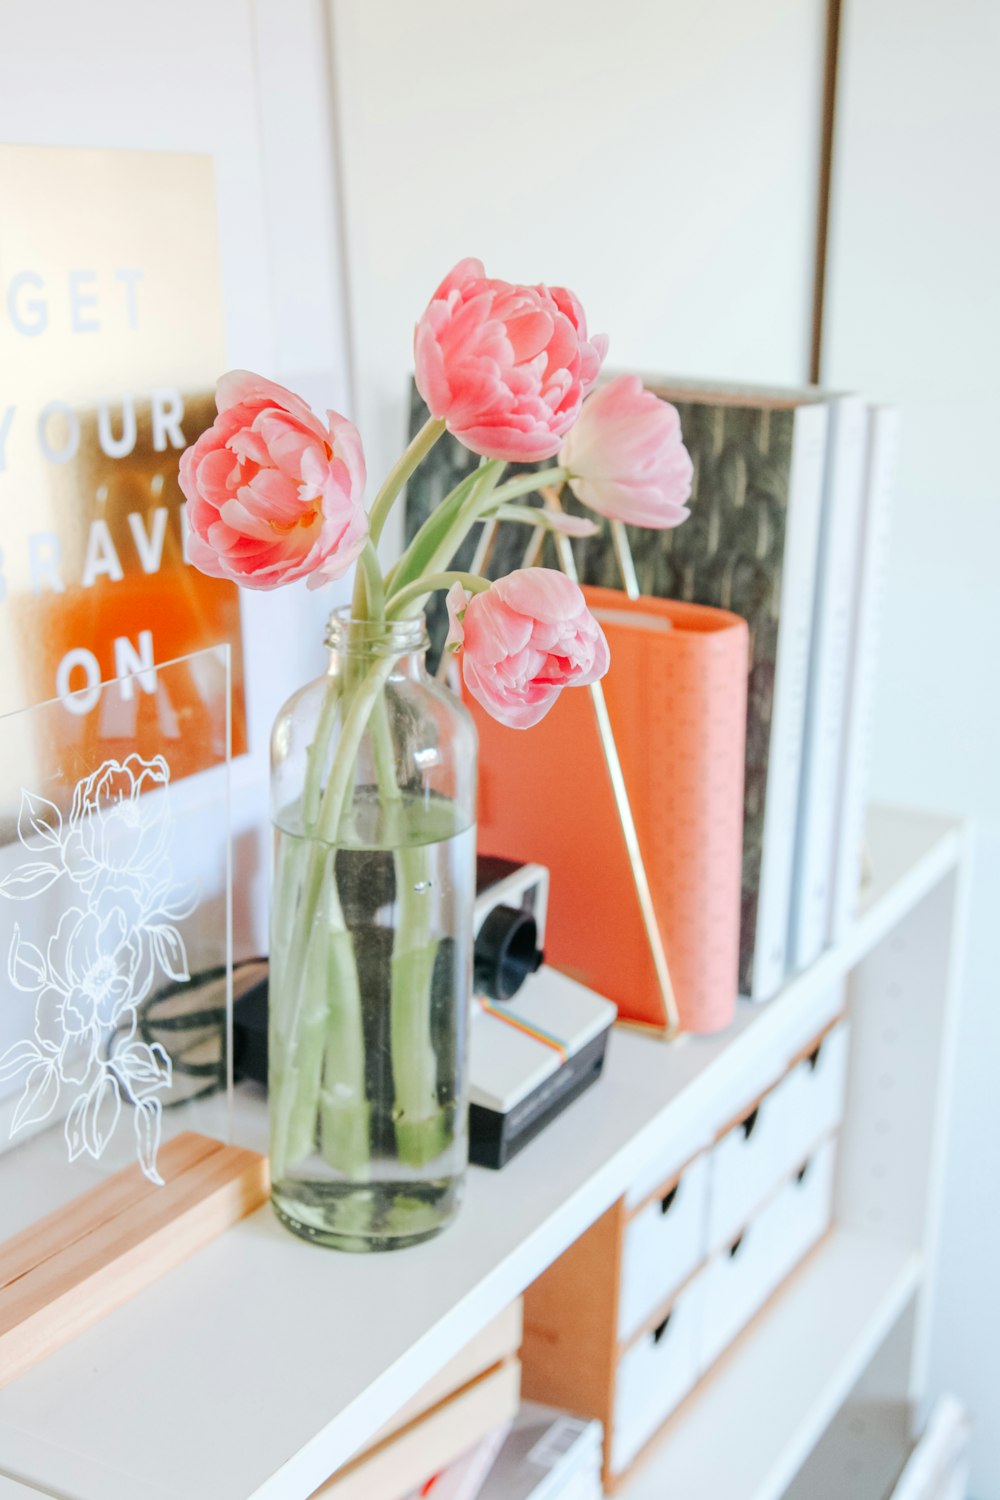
x,y
101,962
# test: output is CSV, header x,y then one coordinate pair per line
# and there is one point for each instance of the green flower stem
x,y
291,1002
475,506
397,476
531,515
355,722
300,1092
400,472
527,484
313,972
296,1046
319,924
422,1131
374,588
432,533
402,604
345,1114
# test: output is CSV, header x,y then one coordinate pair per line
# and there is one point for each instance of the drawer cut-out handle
x,y
734,1248
800,1175
813,1057
667,1201
747,1125
661,1328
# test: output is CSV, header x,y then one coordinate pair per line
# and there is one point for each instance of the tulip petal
x,y
272,495
626,456
524,639
505,366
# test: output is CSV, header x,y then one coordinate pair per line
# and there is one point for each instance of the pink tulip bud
x,y
523,640
506,367
272,494
626,458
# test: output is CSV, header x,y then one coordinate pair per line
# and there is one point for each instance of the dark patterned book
x,y
750,546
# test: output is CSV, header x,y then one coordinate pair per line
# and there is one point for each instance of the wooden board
x,y
118,1239
432,1441
49,1236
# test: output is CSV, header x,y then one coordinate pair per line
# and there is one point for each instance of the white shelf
x,y
258,1367
746,1430
862,1453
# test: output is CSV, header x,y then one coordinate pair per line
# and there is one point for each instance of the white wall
x,y
914,316
658,157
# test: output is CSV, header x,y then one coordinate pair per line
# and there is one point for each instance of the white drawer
x,y
812,1095
668,1160
662,1245
655,1374
749,1161
741,1277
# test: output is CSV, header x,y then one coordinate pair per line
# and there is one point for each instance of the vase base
x,y
370,1217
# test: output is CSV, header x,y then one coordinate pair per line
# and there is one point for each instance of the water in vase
x,y
371,968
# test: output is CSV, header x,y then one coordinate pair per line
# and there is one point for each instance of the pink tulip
x,y
272,494
507,367
523,640
626,458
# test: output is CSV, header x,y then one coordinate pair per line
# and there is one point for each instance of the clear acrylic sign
x,y
115,947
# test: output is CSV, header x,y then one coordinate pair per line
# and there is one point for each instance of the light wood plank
x,y
40,1241
76,1287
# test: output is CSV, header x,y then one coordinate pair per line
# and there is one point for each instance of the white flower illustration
x,y
92,965
102,960
115,837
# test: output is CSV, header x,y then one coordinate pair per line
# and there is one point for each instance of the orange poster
x,y
111,338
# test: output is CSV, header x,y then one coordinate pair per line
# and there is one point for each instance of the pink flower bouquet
x,y
274,495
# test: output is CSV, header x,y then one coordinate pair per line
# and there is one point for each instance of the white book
x,y
464,1479
432,1442
547,1456
836,583
791,678
873,554
938,1467
542,1455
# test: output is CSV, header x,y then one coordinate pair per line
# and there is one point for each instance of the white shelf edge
x,y
755,1418
883,907
660,1091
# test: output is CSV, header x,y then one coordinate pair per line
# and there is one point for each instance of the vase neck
x,y
373,640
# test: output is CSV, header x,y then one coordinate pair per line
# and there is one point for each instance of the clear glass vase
x,y
373,804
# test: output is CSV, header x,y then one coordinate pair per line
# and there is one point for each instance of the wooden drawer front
x,y
655,1374
741,1277
758,1152
664,1243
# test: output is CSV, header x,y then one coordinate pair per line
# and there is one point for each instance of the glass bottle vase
x,y
373,805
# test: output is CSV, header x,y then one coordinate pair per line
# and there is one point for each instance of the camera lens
x,y
506,952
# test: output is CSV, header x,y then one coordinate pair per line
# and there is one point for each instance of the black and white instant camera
x,y
538,1038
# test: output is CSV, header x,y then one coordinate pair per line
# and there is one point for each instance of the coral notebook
x,y
676,695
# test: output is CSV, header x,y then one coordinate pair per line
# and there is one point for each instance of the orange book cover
x,y
676,696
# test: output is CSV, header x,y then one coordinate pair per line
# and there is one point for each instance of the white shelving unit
x,y
860,1304
262,1364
